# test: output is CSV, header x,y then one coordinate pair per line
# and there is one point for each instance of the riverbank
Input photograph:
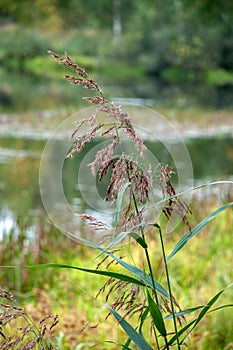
x,y
188,123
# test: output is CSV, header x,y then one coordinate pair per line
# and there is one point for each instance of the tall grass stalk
x,y
150,269
141,305
169,285
130,186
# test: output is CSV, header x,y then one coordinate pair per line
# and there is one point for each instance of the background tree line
x,y
176,41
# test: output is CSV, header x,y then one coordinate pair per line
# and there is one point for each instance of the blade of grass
x,y
140,274
124,347
138,239
181,331
194,322
184,312
210,303
120,237
136,337
143,318
191,190
156,315
185,239
116,275
221,307
143,280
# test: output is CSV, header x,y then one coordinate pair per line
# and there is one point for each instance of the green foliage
x,y
20,44
169,38
124,288
185,239
219,77
135,337
156,315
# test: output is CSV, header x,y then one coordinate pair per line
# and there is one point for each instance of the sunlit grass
x,y
198,272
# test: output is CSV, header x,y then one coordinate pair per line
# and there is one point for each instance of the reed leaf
x,y
138,239
184,312
116,275
156,315
203,312
186,238
136,337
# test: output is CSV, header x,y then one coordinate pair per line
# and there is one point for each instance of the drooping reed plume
x,y
126,172
123,167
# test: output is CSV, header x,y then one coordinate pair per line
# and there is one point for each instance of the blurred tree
x,y
194,36
98,14
38,13
188,37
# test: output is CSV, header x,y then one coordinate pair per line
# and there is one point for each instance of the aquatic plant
x,y
140,296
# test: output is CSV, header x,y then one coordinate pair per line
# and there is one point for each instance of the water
x,y
212,159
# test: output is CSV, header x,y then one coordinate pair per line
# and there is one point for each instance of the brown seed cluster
x,y
82,79
174,204
15,336
123,168
93,222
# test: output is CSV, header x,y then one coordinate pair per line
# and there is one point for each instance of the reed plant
x,y
136,291
140,296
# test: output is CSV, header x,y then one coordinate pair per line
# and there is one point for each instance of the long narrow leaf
x,y
181,331
120,237
156,315
189,311
192,189
194,322
138,239
210,303
143,279
141,275
207,307
136,337
116,275
143,318
184,312
133,269
185,239
125,346
221,307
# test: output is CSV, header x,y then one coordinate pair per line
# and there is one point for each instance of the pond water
x,y
212,159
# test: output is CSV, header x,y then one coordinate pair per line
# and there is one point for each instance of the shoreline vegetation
x,y
189,122
197,273
177,58
78,311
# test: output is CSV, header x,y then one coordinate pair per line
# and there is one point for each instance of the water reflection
x,y
212,159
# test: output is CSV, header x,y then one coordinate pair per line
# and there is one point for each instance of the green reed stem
x,y
145,249
150,270
169,286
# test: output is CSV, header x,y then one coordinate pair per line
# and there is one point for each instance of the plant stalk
x,y
150,270
169,287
